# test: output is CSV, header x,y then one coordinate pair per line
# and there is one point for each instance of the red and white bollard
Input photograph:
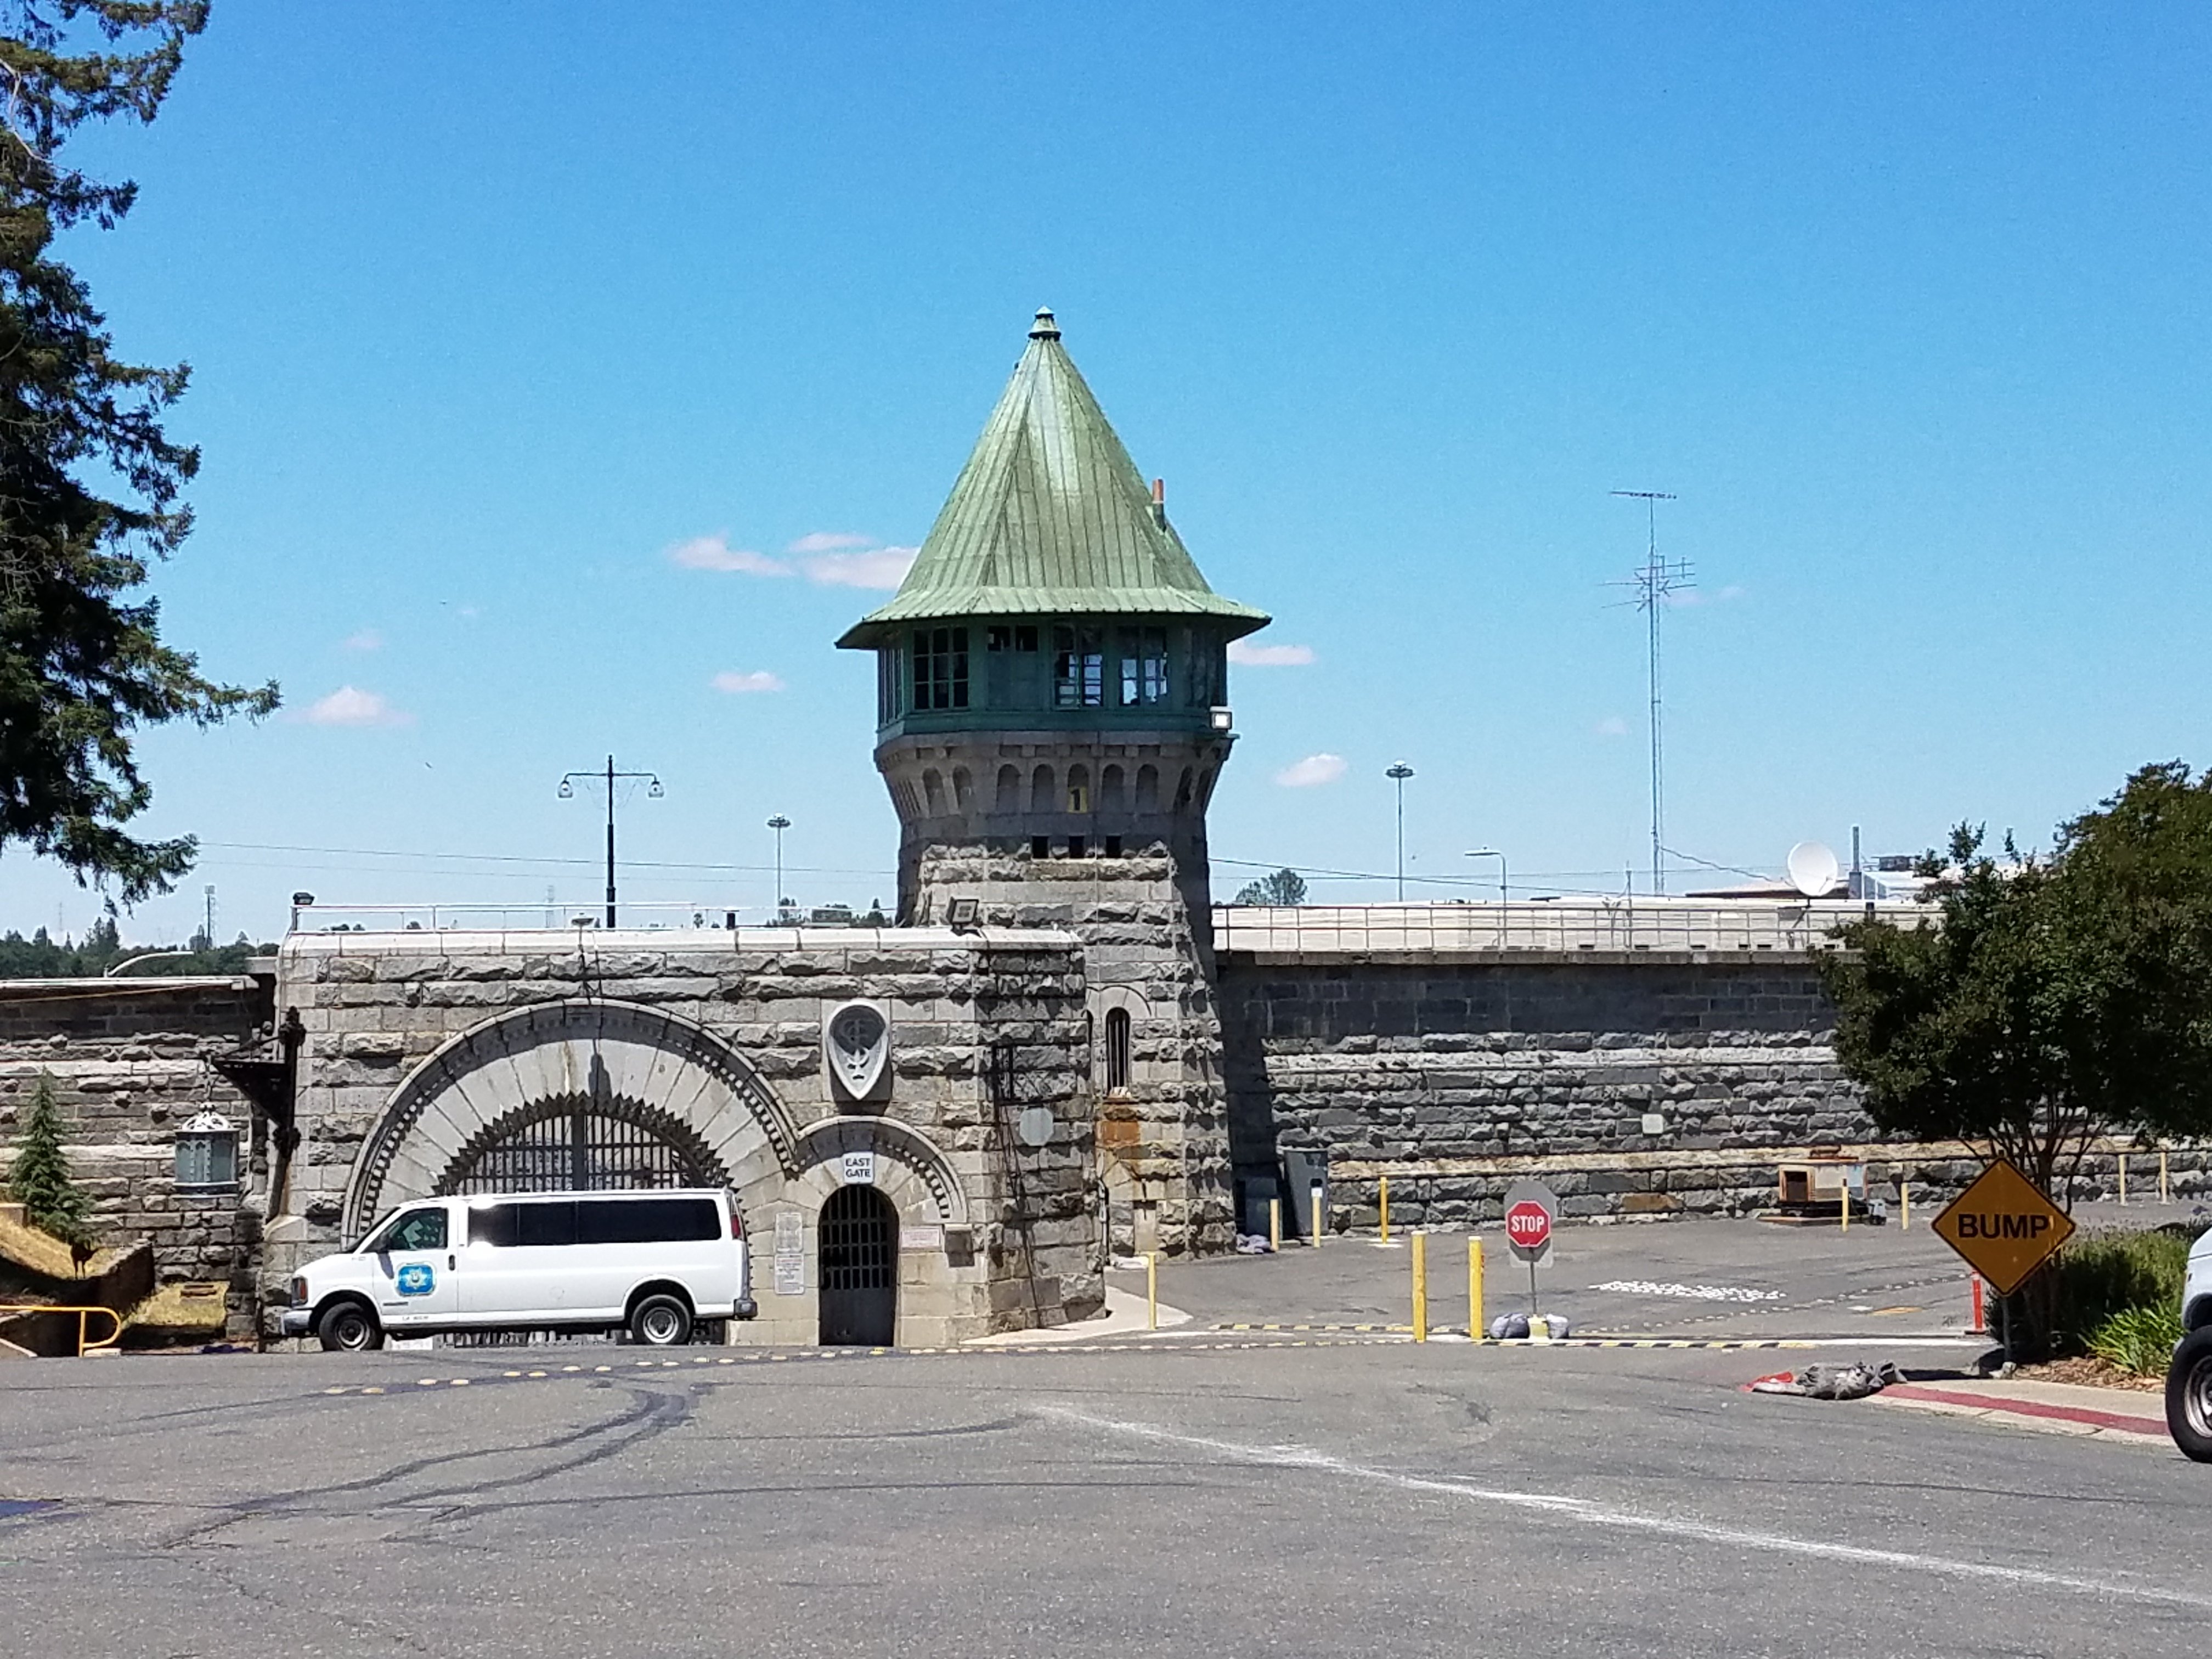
x,y
1981,1324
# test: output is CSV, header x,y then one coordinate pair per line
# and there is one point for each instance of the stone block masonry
x,y
456,1062
129,1063
1161,1104
1454,1074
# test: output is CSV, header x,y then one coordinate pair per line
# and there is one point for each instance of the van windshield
x,y
410,1229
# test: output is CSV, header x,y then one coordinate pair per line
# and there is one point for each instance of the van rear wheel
x,y
660,1321
348,1328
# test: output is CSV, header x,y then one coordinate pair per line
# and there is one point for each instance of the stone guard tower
x,y
1052,693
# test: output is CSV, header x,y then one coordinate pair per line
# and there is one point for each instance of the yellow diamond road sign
x,y
2004,1226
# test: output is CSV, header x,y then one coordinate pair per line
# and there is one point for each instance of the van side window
x,y
545,1223
646,1220
418,1229
491,1224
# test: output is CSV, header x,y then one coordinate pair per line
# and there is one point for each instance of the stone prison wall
x,y
1456,1074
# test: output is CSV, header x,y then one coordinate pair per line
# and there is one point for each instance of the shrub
x,y
2139,1340
39,1178
2103,1275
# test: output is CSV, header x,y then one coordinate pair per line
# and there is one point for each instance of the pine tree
x,y
40,1179
89,482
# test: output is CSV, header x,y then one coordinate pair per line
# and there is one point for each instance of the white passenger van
x,y
652,1263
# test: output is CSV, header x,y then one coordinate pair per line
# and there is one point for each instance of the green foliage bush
x,y
2115,1286
2139,1340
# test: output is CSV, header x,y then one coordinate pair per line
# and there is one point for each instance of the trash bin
x,y
1302,1169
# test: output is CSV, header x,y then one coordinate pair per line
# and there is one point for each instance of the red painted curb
x,y
2153,1425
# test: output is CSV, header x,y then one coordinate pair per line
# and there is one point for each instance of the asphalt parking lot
x,y
1711,1279
1321,1499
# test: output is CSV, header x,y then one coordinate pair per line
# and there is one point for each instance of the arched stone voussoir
x,y
575,1046
824,1142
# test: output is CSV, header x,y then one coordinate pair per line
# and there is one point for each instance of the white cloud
x,y
350,705
829,541
1612,726
1249,655
365,638
715,553
881,567
758,679
1313,769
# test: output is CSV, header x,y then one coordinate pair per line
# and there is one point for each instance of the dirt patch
x,y
2090,1372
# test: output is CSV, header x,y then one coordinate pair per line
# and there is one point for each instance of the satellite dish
x,y
1813,869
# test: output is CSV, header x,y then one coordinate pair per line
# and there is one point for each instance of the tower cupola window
x,y
1078,668
940,668
1144,666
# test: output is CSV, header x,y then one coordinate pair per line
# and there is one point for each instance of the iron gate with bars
x,y
582,1142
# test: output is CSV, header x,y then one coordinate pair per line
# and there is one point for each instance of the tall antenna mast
x,y
1653,583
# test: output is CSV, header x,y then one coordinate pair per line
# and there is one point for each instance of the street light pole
x,y
1492,852
779,823
608,778
1398,775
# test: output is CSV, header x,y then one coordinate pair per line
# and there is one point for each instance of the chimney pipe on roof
x,y
1160,502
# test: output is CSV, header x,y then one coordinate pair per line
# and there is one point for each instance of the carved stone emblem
x,y
856,1038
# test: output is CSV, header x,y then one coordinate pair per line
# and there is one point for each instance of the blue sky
x,y
492,309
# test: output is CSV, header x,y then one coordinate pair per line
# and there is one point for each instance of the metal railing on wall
x,y
1624,924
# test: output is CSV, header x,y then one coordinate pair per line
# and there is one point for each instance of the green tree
x,y
2059,1001
89,482
1285,886
39,1178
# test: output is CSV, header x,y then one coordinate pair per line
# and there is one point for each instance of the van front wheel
x,y
2189,1395
348,1328
659,1322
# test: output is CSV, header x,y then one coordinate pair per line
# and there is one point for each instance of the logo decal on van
x,y
416,1279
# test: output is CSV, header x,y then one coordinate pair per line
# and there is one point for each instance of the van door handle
x,y
449,1263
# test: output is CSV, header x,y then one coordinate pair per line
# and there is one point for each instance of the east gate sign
x,y
2004,1226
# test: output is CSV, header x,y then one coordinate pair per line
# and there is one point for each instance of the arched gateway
x,y
580,1094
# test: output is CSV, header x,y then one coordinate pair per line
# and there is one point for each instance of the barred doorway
x,y
594,1141
859,1269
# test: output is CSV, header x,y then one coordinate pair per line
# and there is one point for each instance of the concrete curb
x,y
2027,1413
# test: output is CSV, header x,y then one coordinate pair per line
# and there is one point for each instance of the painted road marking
x,y
1588,1512
1689,1292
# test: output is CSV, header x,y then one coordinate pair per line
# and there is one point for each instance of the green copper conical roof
x,y
1051,515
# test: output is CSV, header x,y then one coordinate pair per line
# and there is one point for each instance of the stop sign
x,y
1529,1225
1530,1207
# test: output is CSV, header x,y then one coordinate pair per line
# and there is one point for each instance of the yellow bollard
x,y
2123,1177
2164,1196
1847,1207
1905,1204
1320,1219
1474,1287
1383,1184
1420,1286
1152,1291
1275,1225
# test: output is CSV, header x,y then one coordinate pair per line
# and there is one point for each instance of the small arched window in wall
x,y
1148,789
1110,790
933,789
1041,798
1182,790
1079,789
964,790
207,1152
1010,790
1117,1048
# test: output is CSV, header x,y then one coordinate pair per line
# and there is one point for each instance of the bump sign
x,y
2004,1226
